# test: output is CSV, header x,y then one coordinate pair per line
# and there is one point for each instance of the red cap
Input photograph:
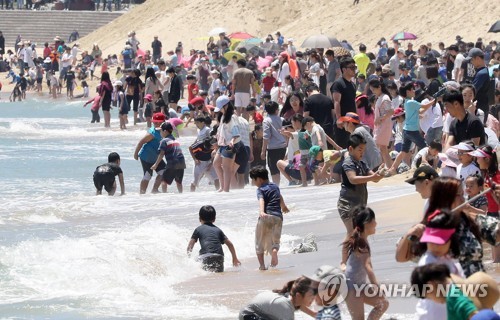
x,y
148,97
197,100
350,117
158,117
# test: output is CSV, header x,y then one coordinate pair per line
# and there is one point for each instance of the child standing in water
x,y
211,241
359,267
94,108
271,209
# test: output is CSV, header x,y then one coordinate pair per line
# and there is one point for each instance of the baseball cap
x,y
401,50
118,83
323,272
197,100
215,71
148,97
350,117
453,47
437,235
475,52
313,151
221,102
422,173
158,117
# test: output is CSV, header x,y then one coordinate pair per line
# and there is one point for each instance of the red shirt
x,y
268,83
192,91
492,204
46,52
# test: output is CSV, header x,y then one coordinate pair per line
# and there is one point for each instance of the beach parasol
x,y
495,27
249,44
346,45
240,35
264,62
320,41
229,55
403,36
217,31
341,51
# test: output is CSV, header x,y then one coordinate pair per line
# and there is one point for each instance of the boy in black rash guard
x,y
211,240
104,175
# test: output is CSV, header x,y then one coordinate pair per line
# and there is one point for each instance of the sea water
x,y
68,254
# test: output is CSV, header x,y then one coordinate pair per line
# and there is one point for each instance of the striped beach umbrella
x,y
240,35
403,36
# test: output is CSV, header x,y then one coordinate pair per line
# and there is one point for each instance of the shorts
x,y
304,159
268,234
415,137
123,112
213,263
242,157
146,167
344,208
226,152
135,100
106,107
39,80
148,112
204,167
295,174
273,156
241,99
106,180
169,175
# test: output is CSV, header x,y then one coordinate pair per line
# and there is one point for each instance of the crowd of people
x,y
315,116
107,5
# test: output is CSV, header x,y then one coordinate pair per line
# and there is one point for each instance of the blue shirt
x,y
481,83
272,198
149,150
173,153
411,111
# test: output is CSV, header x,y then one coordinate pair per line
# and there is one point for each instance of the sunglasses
x,y
351,67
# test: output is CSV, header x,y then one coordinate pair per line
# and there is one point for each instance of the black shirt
x,y
348,91
467,129
156,45
356,193
70,77
320,108
468,70
211,238
108,168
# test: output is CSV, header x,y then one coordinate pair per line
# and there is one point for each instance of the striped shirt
x,y
173,153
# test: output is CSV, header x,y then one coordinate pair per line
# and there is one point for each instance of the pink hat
x,y
479,154
436,235
148,97
446,161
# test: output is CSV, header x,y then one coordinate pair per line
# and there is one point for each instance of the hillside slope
x,y
187,20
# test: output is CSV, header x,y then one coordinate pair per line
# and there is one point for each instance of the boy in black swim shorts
x,y
104,175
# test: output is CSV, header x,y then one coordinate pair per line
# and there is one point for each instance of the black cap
x,y
422,173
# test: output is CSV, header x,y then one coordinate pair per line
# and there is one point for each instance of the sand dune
x,y
187,20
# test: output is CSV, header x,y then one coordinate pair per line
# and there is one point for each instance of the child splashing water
x,y
359,267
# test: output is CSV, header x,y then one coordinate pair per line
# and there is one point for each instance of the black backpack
x,y
202,149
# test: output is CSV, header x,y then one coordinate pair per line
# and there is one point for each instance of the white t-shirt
x,y
285,71
293,146
66,60
464,172
458,61
426,308
447,122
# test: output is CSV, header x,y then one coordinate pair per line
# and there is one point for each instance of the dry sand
x,y
187,20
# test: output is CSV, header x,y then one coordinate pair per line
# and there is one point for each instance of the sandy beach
x,y
394,216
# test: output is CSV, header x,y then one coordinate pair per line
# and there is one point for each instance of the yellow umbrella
x,y
229,55
234,43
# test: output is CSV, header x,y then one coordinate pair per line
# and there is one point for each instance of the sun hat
x,y
361,96
323,272
148,97
462,146
398,112
197,100
158,117
290,40
47,60
446,161
118,83
437,235
215,71
221,102
453,84
401,50
350,117
423,173
479,154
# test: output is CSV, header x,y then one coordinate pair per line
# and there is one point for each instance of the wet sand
x,y
237,286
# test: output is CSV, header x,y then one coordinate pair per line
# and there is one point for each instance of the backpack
x,y
202,149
